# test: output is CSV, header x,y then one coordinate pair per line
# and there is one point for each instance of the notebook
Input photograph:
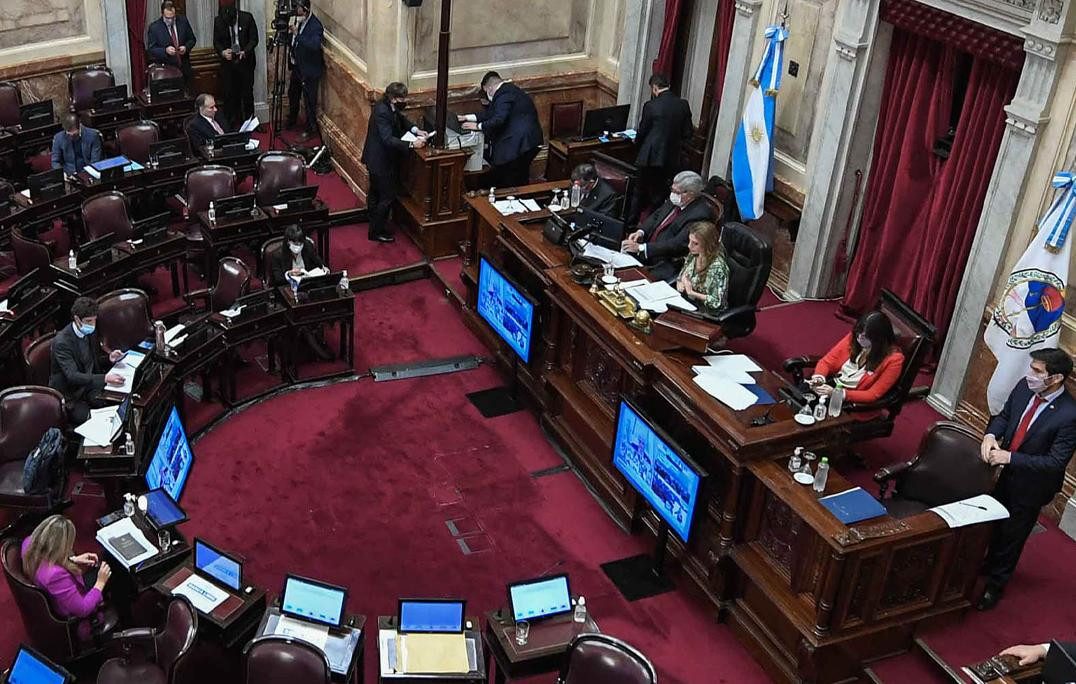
x,y
853,505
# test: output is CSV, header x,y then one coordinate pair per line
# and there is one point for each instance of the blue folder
x,y
853,505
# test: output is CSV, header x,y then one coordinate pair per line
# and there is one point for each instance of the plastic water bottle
x,y
577,195
836,401
820,409
821,475
580,614
158,336
492,197
128,446
72,260
344,284
212,212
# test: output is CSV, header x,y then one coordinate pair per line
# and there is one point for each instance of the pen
x,y
965,503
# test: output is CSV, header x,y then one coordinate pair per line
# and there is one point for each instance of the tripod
x,y
281,46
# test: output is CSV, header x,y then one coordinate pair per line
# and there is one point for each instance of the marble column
x,y
1046,47
745,35
263,63
831,168
643,23
117,47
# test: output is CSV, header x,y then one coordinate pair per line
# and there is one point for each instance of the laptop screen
x,y
540,598
161,510
30,668
431,615
218,565
315,601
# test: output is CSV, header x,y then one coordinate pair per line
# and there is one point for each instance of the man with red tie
x,y
204,125
661,242
1033,439
170,39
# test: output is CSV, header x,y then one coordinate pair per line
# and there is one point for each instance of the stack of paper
x,y
516,206
126,367
249,125
297,629
658,296
252,144
126,542
728,379
101,427
608,256
982,508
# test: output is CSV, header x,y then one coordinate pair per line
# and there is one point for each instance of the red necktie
x,y
665,224
1025,423
175,41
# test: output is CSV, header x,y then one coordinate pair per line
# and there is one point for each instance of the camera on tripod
x,y
285,10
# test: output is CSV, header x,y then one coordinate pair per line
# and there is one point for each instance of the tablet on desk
x,y
539,598
162,511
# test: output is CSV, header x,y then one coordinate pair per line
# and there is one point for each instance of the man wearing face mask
x,y
661,242
307,64
75,146
510,124
383,153
170,39
77,360
596,195
1033,439
664,124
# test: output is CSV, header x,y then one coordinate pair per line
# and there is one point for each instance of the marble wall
x,y
33,30
347,21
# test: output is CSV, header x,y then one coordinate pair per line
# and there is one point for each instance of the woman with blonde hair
x,y
704,279
73,583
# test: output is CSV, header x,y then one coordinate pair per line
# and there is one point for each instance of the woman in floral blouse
x,y
704,280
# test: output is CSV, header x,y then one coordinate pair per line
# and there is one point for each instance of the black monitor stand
x,y
499,401
642,576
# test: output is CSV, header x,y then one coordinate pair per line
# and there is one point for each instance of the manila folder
x,y
432,653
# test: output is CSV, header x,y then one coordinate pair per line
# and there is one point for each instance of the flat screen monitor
x,y
1060,665
30,667
171,462
606,231
297,198
46,185
112,97
613,119
162,510
169,151
444,616
232,207
228,139
36,114
151,225
657,468
166,89
90,249
313,601
507,309
217,565
23,288
540,598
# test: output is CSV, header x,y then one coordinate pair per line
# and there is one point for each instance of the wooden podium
x,y
433,211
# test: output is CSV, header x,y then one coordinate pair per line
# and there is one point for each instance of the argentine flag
x,y
752,153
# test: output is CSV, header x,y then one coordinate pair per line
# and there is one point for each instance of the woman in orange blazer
x,y
866,362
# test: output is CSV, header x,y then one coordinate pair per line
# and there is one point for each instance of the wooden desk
x,y
313,219
431,210
233,621
477,676
223,234
109,120
41,309
270,326
96,277
565,155
30,141
546,649
353,673
56,207
170,250
144,575
243,163
169,114
313,313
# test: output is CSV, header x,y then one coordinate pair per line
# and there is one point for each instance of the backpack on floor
x,y
42,473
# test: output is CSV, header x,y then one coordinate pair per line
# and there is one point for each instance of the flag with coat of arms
x,y
1028,313
752,152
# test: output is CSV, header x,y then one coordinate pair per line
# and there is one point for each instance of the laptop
x,y
30,667
162,511
217,576
540,598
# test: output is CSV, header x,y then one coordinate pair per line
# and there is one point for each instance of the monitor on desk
x,y
164,89
297,199
539,598
93,250
429,120
235,206
313,601
606,119
36,114
604,230
168,152
162,510
431,616
231,143
112,97
509,310
152,227
214,564
171,462
46,185
30,667
22,289
311,283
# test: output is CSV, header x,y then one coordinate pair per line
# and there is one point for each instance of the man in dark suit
x,y
77,360
1033,438
510,124
205,125
597,195
661,242
307,63
383,153
75,146
170,39
234,38
664,124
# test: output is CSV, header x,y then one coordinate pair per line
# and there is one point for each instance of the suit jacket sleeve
x,y
252,35
646,122
1053,460
311,36
221,38
278,270
57,151
76,378
198,138
495,117
191,40
95,149
676,247
383,121
66,595
606,201
654,220
155,48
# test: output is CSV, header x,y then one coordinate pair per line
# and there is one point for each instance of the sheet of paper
x,y
738,362
314,273
658,296
409,137
249,125
170,334
204,597
982,508
509,207
132,358
25,193
253,144
280,207
297,629
177,341
628,284
4,305
100,428
608,256
531,205
735,375
126,542
127,373
432,653
731,394
233,312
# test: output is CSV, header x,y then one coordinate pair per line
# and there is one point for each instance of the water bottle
x,y
344,286
72,260
492,197
212,212
128,446
820,409
836,401
820,475
580,614
158,335
577,195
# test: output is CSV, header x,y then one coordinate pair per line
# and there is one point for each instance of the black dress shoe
x,y
382,238
989,599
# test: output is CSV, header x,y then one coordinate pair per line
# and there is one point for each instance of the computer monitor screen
x,y
36,114
31,667
162,510
217,565
47,184
166,88
539,598
656,468
110,98
431,615
169,151
612,119
172,459
309,599
606,231
506,308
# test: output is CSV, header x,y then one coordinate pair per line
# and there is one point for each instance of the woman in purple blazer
x,y
74,583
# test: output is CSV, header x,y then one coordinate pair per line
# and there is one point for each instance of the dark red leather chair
x,y
26,413
268,252
10,99
123,318
282,660
107,213
276,171
565,119
29,253
81,83
602,659
135,138
233,281
203,185
155,72
38,359
620,175
168,645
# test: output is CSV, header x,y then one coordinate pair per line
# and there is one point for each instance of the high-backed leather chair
x,y
602,659
946,468
81,83
156,71
749,258
268,252
10,100
203,185
38,359
721,190
282,660
105,213
565,119
29,253
171,644
276,171
620,175
135,138
233,281
26,413
123,318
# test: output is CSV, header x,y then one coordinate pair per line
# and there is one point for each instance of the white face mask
x,y
1036,383
295,249
677,199
864,342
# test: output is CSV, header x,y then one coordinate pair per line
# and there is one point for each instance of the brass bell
x,y
642,318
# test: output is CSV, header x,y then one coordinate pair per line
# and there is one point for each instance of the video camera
x,y
285,10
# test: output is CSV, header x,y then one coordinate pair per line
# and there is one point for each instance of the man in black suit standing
x,y
234,38
170,40
661,242
665,123
510,124
77,360
205,125
1033,438
383,153
307,63
596,194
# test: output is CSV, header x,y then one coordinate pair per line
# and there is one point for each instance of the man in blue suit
x,y
307,63
170,39
75,146
510,123
1033,438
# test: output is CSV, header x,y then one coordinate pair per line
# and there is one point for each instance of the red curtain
x,y
664,62
726,18
136,40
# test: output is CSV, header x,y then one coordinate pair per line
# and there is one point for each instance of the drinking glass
x,y
164,539
523,630
607,270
